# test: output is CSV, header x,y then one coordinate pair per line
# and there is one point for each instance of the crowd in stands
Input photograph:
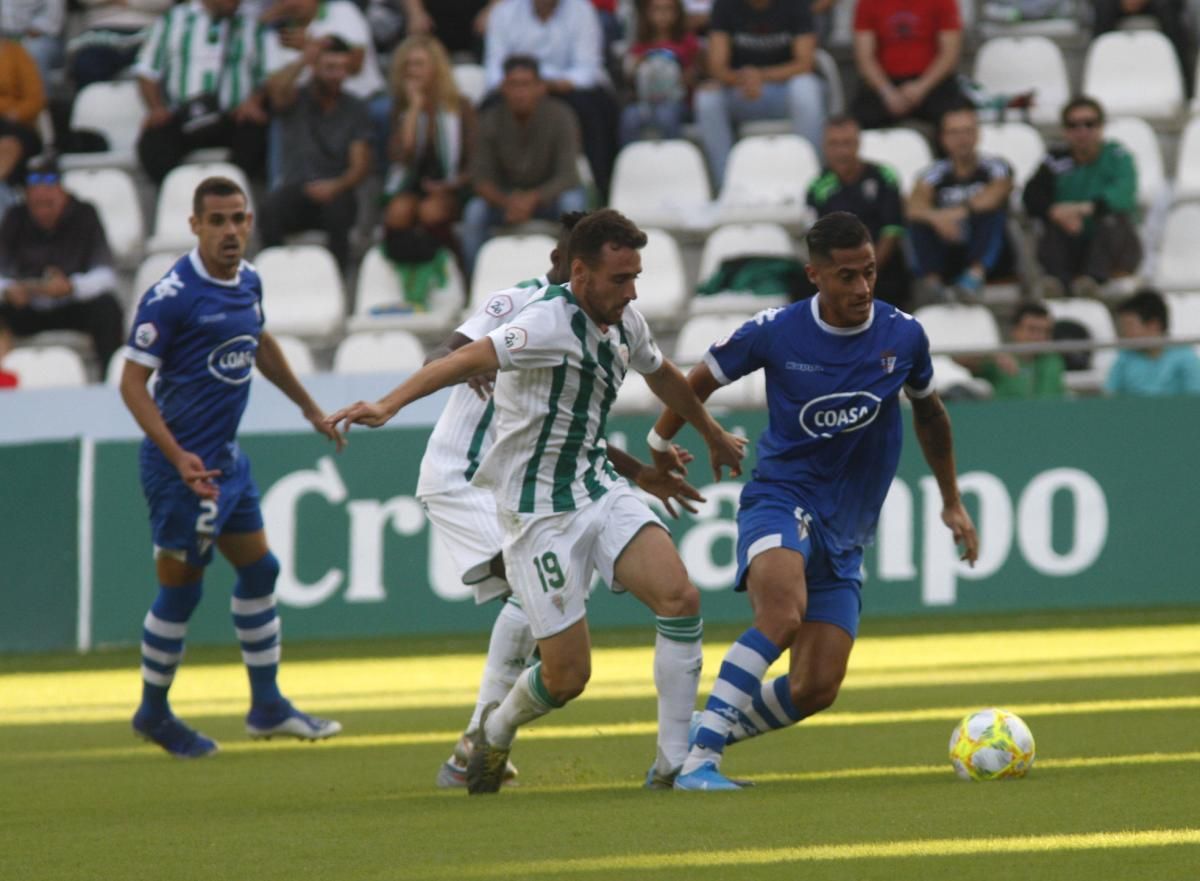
x,y
420,129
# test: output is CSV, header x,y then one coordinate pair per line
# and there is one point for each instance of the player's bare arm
x,y
274,366
192,471
483,384
474,359
932,425
666,485
703,383
724,449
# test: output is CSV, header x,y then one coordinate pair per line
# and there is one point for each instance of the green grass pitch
x,y
863,791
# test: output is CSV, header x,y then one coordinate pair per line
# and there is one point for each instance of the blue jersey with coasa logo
x,y
834,433
201,334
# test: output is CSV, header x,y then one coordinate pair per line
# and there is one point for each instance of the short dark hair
x,y
1148,305
335,43
835,231
960,105
1082,101
215,186
1036,309
600,228
522,62
566,225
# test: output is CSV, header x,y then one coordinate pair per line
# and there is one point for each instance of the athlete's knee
x,y
680,599
815,694
258,578
780,617
566,679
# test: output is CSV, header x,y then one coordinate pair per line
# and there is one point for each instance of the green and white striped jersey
x,y
185,49
560,374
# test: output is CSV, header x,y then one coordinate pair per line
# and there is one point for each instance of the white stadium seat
x,y
46,367
1187,175
503,261
302,291
951,327
1095,317
471,80
740,240
1183,312
1178,266
112,193
152,268
1136,136
662,184
662,287
114,110
298,355
906,151
635,396
949,376
380,292
1134,73
391,351
701,331
1017,142
1015,65
171,229
766,179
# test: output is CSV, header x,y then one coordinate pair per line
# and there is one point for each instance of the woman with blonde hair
x,y
432,133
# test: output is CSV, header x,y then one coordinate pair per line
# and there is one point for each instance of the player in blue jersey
x,y
201,328
835,364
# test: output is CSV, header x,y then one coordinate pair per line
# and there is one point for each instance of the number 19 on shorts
x,y
549,572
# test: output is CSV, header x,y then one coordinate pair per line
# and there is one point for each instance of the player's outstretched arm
x,y
932,425
703,383
724,449
191,468
471,360
483,384
274,366
667,485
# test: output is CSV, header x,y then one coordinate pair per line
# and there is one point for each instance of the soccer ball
x,y
991,744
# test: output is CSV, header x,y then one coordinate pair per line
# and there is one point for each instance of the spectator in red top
x,y
662,66
907,54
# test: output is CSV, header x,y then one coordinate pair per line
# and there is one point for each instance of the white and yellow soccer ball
x,y
991,744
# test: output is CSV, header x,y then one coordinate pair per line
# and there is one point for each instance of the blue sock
x,y
770,710
257,626
732,700
163,633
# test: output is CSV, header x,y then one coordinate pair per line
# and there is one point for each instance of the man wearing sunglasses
x,y
56,269
1085,195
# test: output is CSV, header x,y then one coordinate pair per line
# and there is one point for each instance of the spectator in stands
x,y
328,137
1023,376
524,164
433,135
872,193
293,24
662,66
565,38
1165,370
698,12
958,213
761,60
21,101
1085,195
1171,18
198,73
38,26
458,24
112,32
907,54
56,271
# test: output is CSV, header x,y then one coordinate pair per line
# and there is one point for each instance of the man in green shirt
x,y
1085,195
1023,376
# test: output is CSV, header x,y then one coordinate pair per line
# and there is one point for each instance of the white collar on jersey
x,y
841,331
198,265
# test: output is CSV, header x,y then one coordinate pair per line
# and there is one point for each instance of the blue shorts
x,y
182,522
769,519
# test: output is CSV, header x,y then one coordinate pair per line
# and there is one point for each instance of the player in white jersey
x,y
565,512
465,516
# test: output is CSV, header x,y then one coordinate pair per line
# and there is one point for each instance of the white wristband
x,y
657,442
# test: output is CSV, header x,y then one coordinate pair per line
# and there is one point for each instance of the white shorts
x,y
469,530
550,558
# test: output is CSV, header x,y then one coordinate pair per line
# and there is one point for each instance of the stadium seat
x,y
1187,165
902,148
1065,27
149,271
1178,266
112,193
298,355
114,110
471,80
1017,142
390,351
662,287
740,240
635,396
1134,73
503,261
46,367
1183,311
380,292
766,179
701,331
302,291
1097,319
950,378
171,229
1014,65
1136,136
827,66
663,184
953,327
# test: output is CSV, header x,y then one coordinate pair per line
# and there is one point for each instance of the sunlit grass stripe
x,y
867,850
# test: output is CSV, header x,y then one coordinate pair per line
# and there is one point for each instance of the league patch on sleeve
x,y
499,306
145,335
515,338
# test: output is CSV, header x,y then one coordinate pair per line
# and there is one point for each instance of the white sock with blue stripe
x,y
258,627
738,683
678,659
163,633
770,710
